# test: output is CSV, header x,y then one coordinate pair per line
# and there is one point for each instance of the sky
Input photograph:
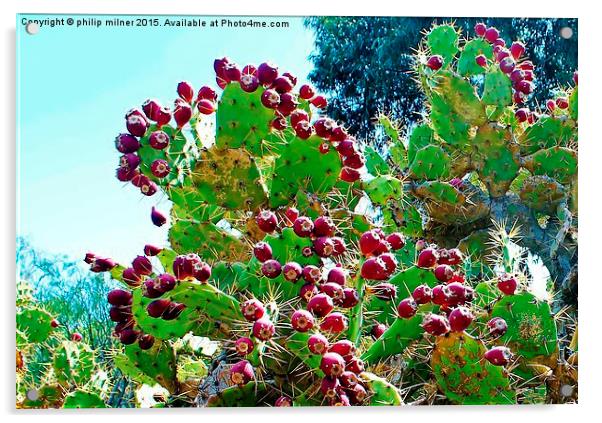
x,y
74,87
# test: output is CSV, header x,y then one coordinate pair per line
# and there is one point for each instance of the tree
x,y
365,63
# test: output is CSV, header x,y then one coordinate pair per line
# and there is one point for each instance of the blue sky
x,y
74,86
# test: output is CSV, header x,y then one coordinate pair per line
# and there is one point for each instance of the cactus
x,y
303,254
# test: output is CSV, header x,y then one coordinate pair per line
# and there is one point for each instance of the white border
x,y
590,155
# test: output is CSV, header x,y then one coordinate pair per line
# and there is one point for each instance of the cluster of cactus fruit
x,y
302,251
71,377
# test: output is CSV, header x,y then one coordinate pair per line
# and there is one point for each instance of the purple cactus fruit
x,y
271,268
279,123
312,274
337,275
136,125
307,92
460,318
206,107
163,116
497,326
241,373
283,402
201,271
348,379
158,307
323,246
499,356
562,103
126,143
263,329
232,72
481,60
344,347
422,294
120,313
480,29
128,336
390,262
355,365
152,250
165,282
142,265
374,269
158,218
292,271
320,305
173,311
324,227
146,341
270,99
350,298
252,309
124,174
307,291
440,295
492,34
427,258
183,266
407,308
307,251
151,109
182,113
119,297
330,387
517,49
185,91
298,115
507,65
267,221
102,264
151,289
384,291
335,323
131,277
206,93
332,364
302,321
262,251
525,87
357,394
129,161
158,140
434,62
378,330
317,344
339,245
249,83
267,72
507,284
244,346
219,65
369,241
522,114
76,337
303,226
435,324
334,291
148,187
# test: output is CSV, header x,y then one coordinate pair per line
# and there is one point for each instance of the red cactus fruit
x,y
497,326
320,305
492,34
146,341
434,62
435,324
302,321
355,365
303,226
350,298
407,308
142,265
480,29
292,271
312,274
517,49
444,272
334,291
337,275
241,373
396,240
119,297
427,258
335,323
271,268
252,309
481,60
422,294
378,330
283,402
369,241
330,387
332,364
291,215
383,291
262,251
317,344
499,356
460,318
244,346
374,269
307,291
267,221
267,72
344,347
158,307
264,329
507,284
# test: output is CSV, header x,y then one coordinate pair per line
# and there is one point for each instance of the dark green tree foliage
x,y
365,63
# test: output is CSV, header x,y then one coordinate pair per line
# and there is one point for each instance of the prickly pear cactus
x,y
302,255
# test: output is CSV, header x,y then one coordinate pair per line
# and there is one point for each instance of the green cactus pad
x,y
407,280
464,376
375,164
498,88
431,162
390,128
232,276
188,203
302,166
461,97
230,179
83,399
467,65
547,132
242,121
296,343
288,246
439,192
476,248
207,240
497,158
383,188
208,312
35,324
574,104
443,40
48,396
382,393
405,217
249,395
190,369
559,163
531,327
155,365
421,136
73,363
542,194
448,125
